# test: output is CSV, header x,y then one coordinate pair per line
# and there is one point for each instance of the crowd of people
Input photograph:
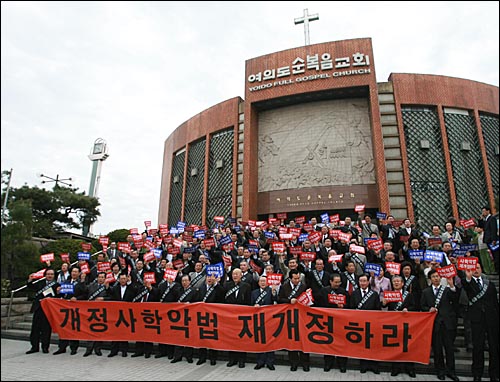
x,y
357,259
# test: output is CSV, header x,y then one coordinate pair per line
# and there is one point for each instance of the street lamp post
x,y
4,207
56,180
98,154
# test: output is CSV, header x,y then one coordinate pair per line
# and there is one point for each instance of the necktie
x,y
436,290
478,281
350,287
363,294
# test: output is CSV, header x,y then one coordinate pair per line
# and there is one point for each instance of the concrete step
x,y
19,308
462,364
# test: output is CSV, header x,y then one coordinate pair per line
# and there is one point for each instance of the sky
x,y
132,72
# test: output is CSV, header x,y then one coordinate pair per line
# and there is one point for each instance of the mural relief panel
x,y
326,143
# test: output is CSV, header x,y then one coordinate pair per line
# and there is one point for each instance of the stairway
x,y
20,325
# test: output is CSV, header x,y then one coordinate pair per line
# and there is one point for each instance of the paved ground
x,y
18,366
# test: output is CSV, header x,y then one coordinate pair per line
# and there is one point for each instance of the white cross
x,y
305,20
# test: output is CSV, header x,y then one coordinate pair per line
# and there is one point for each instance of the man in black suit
x,y
317,278
238,292
113,252
489,224
407,304
97,291
188,295
213,292
264,295
289,291
483,314
390,233
145,293
122,291
326,301
40,327
443,300
169,291
79,290
364,298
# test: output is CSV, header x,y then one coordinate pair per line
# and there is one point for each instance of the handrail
x,y
9,311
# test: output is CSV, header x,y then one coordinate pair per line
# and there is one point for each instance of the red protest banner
x,y
209,242
110,278
178,264
149,256
86,247
103,266
147,223
304,256
334,218
308,227
359,207
134,231
103,240
408,332
65,257
46,257
84,268
334,233
466,263
282,215
306,297
356,248
170,274
219,219
392,267
467,223
447,272
335,258
344,236
391,296
124,247
278,246
375,244
227,260
39,274
314,237
149,276
285,236
432,241
300,219
338,299
274,278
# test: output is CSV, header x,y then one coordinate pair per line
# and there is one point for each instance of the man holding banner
x,y
169,291
288,294
69,290
400,300
40,327
442,300
238,292
336,297
364,298
264,295
211,292
97,291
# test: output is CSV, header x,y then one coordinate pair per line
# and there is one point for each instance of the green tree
x,y
19,254
58,210
35,212
118,235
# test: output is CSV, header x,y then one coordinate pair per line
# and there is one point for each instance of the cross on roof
x,y
305,20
